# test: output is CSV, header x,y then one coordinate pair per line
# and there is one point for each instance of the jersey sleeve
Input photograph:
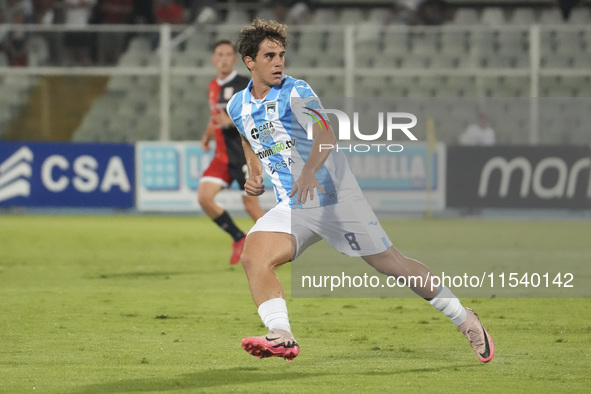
x,y
306,106
234,109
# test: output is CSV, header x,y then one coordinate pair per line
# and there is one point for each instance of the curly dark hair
x,y
251,36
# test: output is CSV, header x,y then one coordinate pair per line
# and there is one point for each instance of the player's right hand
x,y
254,186
205,145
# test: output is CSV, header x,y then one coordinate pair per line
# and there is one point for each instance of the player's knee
x,y
254,262
203,199
249,261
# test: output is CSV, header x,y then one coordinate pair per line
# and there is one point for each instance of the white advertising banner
x,y
168,173
168,176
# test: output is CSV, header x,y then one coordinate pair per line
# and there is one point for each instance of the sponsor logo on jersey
x,y
265,130
277,148
271,110
228,92
280,165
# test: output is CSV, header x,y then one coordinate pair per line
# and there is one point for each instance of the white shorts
x,y
350,226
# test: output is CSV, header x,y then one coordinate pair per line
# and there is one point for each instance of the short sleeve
x,y
234,110
306,105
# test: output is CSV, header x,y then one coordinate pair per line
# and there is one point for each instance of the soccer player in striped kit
x,y
228,163
270,114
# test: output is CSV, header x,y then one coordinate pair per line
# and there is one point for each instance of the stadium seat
x,y
311,41
556,61
462,85
466,16
580,16
265,13
493,16
190,60
365,55
378,15
133,59
336,60
237,17
523,16
324,16
351,16
424,44
388,60
303,59
453,42
368,33
335,44
550,16
198,43
571,38
512,41
6,117
147,128
482,42
396,43
140,44
442,60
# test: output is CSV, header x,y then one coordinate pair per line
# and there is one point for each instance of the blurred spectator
x,y
44,12
143,12
14,10
114,12
566,6
479,133
292,12
419,12
168,11
400,13
78,43
15,43
432,13
111,44
202,11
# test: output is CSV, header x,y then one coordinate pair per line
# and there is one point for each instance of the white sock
x,y
274,314
446,302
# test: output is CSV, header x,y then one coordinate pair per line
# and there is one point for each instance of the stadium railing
x,y
154,84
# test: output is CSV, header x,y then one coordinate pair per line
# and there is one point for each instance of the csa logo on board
x,y
66,175
15,173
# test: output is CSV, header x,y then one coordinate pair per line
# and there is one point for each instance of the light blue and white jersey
x,y
276,128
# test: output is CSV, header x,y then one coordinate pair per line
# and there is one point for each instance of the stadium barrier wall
x,y
67,175
519,177
167,178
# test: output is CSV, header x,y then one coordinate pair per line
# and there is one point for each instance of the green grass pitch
x,y
127,304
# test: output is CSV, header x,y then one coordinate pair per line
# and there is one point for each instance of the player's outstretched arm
x,y
307,181
207,136
222,119
254,184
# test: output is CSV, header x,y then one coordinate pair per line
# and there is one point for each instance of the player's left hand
x,y
304,186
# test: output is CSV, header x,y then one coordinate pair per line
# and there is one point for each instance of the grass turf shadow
x,y
217,378
200,380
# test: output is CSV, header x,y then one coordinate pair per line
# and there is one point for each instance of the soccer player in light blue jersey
x,y
318,187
